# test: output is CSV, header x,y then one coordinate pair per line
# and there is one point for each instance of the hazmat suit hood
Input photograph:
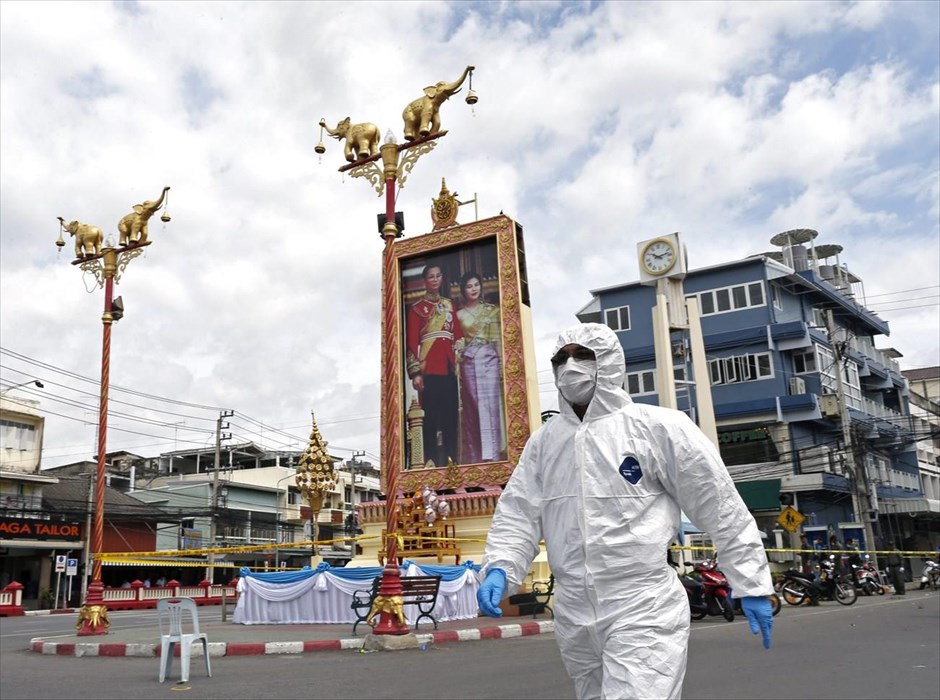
x,y
611,367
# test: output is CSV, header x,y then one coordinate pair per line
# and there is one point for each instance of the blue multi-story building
x,y
772,362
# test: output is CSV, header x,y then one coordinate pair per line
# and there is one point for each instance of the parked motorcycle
x,y
930,576
865,578
798,587
708,592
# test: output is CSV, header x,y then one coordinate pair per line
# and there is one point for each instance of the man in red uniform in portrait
x,y
432,330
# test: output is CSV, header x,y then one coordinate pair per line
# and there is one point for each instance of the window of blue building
x,y
739,296
618,319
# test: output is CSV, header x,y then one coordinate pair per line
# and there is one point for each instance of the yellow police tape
x,y
204,551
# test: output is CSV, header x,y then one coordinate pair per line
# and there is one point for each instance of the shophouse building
x,y
774,325
29,535
253,500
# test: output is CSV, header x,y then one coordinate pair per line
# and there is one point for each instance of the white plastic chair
x,y
170,613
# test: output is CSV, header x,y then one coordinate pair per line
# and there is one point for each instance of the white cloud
x,y
596,126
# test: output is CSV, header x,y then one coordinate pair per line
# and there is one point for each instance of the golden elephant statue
x,y
88,238
96,615
362,140
393,605
422,116
133,227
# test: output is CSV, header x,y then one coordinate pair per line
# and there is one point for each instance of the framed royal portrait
x,y
461,329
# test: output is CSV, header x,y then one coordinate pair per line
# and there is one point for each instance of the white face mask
x,y
576,380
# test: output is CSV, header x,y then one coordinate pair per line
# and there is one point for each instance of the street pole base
x,y
93,615
390,642
388,603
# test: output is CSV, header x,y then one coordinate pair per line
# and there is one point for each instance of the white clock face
x,y
659,257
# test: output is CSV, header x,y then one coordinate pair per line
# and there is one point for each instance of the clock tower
x,y
663,263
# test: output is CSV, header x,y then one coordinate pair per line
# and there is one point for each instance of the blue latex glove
x,y
760,617
491,592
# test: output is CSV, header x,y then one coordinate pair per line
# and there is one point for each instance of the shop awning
x,y
166,562
763,494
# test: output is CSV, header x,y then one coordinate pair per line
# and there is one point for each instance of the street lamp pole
x,y
391,174
106,263
35,382
397,161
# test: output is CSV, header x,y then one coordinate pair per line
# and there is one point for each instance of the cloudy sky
x,y
598,125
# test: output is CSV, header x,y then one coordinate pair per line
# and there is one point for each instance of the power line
x,y
74,403
903,291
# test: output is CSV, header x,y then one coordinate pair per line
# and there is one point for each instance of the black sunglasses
x,y
579,353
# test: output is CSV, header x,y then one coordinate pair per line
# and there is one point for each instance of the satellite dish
x,y
827,250
794,236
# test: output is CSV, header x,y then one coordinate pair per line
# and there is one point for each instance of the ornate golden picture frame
x,y
428,311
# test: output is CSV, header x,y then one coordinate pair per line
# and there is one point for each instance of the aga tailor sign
x,y
30,529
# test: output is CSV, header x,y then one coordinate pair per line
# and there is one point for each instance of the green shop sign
x,y
735,436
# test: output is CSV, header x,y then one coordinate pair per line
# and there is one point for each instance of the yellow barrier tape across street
x,y
159,554
242,549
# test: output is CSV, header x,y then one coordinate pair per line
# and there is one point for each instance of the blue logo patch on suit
x,y
630,470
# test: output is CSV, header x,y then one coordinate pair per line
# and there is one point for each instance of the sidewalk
x,y
230,639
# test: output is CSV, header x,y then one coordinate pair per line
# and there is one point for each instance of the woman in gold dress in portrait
x,y
480,360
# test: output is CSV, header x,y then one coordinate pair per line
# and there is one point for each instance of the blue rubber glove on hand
x,y
760,617
491,592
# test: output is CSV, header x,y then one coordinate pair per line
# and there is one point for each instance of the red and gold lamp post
x,y
422,129
97,255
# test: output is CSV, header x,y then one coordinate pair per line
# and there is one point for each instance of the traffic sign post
x,y
790,519
59,568
71,569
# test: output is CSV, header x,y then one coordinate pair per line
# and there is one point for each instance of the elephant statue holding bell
x,y
362,140
392,605
88,238
422,116
95,615
133,227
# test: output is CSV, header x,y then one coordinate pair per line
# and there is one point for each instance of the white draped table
x,y
324,595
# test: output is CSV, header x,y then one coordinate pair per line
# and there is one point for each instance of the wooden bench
x,y
537,599
420,591
543,591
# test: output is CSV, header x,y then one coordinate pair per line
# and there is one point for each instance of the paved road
x,y
879,648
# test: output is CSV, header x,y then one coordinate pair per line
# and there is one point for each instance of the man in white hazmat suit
x,y
603,483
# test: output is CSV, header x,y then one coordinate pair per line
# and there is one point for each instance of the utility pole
x,y
353,463
219,437
89,509
858,472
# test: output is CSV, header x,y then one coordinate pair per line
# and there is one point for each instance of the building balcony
x,y
865,348
20,506
235,536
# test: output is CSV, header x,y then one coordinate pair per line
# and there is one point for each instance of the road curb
x,y
80,649
60,611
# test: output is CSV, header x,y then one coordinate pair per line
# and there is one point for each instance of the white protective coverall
x,y
605,494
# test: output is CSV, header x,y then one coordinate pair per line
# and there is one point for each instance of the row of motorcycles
x,y
829,583
710,594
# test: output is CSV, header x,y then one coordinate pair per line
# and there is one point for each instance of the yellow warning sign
x,y
790,519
